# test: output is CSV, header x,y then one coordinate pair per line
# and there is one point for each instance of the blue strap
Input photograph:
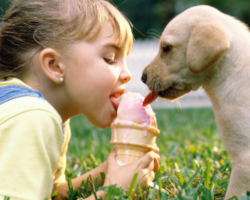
x,y
10,92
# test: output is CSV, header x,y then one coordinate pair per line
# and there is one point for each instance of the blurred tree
x,y
236,8
3,6
149,17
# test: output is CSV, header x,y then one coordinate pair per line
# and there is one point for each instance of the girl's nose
x,y
125,75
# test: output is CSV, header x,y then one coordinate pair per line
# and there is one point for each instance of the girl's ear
x,y
51,64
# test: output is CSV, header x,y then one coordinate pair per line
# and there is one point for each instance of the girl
x,y
60,58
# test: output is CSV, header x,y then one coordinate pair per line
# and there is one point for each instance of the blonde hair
x,y
32,25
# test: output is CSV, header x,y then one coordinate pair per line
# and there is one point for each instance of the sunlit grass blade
x,y
132,183
213,188
191,179
140,191
96,182
109,193
103,176
70,185
160,187
207,181
73,195
54,195
176,181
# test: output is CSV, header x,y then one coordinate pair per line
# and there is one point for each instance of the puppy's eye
x,y
166,48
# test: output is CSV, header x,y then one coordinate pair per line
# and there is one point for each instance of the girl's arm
x,y
116,174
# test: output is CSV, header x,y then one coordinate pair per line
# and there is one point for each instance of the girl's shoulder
x,y
22,105
17,98
31,141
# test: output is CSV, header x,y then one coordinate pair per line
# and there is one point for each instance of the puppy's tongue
x,y
115,102
150,98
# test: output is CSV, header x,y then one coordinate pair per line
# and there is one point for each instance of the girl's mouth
x,y
114,98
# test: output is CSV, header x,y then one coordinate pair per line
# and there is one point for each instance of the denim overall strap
x,y
10,92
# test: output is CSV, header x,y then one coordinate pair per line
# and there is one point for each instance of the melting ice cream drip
x,y
119,162
125,135
114,135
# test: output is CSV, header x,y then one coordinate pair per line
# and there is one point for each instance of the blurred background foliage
x,y
149,17
3,6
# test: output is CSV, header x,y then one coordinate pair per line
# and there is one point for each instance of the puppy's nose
x,y
144,78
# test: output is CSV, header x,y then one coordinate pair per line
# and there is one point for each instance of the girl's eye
x,y
109,61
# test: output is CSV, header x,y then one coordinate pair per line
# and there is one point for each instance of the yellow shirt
x,y
32,147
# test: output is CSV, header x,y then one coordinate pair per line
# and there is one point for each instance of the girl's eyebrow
x,y
112,45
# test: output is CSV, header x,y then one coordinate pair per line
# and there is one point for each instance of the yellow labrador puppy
x,y
204,47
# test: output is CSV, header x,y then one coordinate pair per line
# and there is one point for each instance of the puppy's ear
x,y
208,42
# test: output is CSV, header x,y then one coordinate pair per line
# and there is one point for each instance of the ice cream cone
x,y
132,140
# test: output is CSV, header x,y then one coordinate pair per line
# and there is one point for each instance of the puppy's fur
x,y
204,47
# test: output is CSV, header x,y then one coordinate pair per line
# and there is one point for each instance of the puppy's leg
x,y
234,126
237,142
239,179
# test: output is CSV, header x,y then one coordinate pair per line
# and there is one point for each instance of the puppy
x,y
204,47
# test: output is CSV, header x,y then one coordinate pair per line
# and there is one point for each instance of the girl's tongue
x,y
115,102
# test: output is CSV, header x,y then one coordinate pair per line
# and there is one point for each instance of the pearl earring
x,y
61,80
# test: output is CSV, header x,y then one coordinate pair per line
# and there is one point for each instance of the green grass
x,y
194,163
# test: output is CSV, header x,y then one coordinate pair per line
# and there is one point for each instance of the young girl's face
x,y
95,75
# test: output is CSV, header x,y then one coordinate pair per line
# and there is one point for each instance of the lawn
x,y
194,163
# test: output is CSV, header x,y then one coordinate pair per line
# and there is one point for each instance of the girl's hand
x,y
123,175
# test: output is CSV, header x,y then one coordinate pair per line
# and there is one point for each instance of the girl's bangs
x,y
121,25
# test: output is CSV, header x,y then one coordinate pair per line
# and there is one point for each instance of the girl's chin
x,y
104,118
104,123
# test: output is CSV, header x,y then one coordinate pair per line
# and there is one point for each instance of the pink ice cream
x,y
134,130
131,109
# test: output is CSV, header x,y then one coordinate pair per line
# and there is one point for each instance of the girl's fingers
x,y
150,167
112,158
153,166
146,159
156,149
151,176
156,164
150,158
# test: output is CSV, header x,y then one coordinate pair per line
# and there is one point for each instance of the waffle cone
x,y
131,140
